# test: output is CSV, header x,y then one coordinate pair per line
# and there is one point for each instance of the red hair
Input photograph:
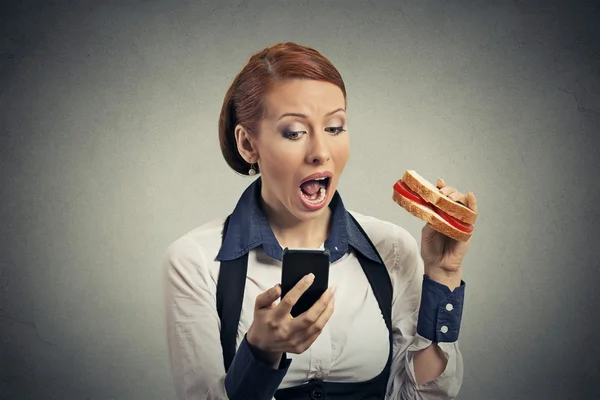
x,y
244,100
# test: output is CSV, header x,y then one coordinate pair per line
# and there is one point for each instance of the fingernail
x,y
333,289
309,278
453,196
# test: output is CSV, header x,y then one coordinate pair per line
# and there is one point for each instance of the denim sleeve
x,y
440,312
245,371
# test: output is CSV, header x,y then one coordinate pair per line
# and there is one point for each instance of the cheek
x,y
280,165
341,154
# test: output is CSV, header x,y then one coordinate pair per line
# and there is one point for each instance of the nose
x,y
319,151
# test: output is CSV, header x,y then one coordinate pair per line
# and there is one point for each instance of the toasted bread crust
x,y
429,216
431,194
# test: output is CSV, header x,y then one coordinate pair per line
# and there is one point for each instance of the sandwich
x,y
423,200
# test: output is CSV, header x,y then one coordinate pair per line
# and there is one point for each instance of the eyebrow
x,y
304,115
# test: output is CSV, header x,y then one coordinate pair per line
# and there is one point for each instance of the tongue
x,y
310,187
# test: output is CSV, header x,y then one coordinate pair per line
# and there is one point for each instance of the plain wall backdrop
x,y
109,152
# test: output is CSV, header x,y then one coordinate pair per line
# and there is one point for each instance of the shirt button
x,y
444,329
317,394
449,307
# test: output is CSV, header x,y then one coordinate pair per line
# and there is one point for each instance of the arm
x,y
193,335
439,319
427,363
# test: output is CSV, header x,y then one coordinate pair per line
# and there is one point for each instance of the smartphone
x,y
297,263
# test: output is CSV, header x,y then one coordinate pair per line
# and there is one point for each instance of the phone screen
x,y
297,263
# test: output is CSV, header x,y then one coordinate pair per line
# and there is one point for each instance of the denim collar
x,y
248,228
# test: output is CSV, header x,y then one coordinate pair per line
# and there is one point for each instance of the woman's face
x,y
302,136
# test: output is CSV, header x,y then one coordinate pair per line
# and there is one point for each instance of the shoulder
x,y
398,248
196,248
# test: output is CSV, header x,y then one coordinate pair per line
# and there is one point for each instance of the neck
x,y
294,233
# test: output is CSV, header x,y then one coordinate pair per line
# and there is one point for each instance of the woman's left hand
x,y
441,254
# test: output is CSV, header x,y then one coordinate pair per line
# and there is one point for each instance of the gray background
x,y
109,152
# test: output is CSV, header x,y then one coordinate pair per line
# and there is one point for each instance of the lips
x,y
318,175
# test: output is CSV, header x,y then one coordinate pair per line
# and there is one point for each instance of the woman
x,y
230,337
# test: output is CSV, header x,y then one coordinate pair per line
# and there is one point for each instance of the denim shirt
x,y
248,228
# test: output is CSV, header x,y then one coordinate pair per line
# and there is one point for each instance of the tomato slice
x,y
454,222
401,188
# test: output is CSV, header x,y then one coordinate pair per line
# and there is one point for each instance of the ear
x,y
245,144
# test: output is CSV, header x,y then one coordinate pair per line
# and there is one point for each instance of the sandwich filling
x,y
402,189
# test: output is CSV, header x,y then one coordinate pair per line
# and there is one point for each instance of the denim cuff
x,y
440,313
251,379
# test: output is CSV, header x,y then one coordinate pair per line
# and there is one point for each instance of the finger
x,y
267,298
452,192
309,317
285,305
471,201
303,344
458,197
309,336
446,190
319,324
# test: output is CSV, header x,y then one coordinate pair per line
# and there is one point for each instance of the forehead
x,y
303,96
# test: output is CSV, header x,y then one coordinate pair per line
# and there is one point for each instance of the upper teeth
x,y
320,179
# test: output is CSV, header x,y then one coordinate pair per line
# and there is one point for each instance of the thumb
x,y
267,298
432,244
428,233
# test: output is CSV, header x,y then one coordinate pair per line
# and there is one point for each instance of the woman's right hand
x,y
274,331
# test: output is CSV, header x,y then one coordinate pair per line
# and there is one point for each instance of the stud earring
x,y
251,171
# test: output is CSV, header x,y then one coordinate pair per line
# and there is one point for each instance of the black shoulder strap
x,y
379,278
381,284
230,296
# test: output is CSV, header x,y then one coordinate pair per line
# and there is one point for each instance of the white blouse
x,y
353,345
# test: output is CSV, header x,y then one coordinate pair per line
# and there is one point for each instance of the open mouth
x,y
313,193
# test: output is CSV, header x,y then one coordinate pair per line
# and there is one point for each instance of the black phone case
x,y
296,263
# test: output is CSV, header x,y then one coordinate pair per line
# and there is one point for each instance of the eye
x,y
292,135
336,130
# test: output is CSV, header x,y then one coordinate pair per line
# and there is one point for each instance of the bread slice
x,y
431,217
430,193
